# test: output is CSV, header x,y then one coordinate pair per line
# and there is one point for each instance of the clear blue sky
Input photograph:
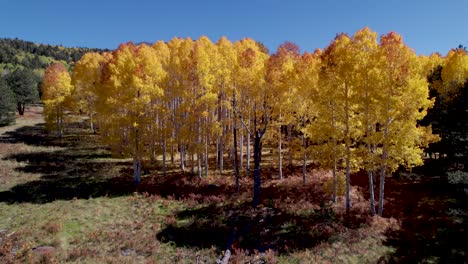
x,y
427,26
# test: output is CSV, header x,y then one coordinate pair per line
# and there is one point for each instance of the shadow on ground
x,y
78,168
433,216
261,229
219,214
73,168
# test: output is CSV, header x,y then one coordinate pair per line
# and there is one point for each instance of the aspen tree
x,y
306,102
132,81
454,73
404,101
281,77
180,81
227,63
251,80
366,78
340,70
87,75
204,57
159,109
56,91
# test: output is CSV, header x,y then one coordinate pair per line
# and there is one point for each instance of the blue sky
x,y
427,26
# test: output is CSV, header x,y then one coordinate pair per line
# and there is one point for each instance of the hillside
x,y
17,53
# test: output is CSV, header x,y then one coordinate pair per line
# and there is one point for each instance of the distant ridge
x,y
17,53
144,42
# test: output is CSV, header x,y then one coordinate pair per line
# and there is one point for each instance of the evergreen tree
x,y
7,104
23,84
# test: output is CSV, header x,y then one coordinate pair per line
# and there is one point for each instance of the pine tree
x,y
7,104
24,85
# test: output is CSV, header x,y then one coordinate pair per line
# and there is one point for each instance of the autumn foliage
x,y
56,91
353,106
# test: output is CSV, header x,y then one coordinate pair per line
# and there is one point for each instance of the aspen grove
x,y
353,106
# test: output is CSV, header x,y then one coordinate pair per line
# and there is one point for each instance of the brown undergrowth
x,y
68,200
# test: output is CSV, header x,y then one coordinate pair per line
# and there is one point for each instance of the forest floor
x,y
69,200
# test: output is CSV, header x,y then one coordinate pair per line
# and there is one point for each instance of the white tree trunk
x,y
280,152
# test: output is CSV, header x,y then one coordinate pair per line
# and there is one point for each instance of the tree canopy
x,y
356,105
7,104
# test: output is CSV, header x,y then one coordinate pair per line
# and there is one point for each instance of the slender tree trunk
x,y
172,155
60,122
199,155
241,149
234,134
192,163
348,152
304,161
236,166
280,153
369,130
221,140
371,192
136,160
182,157
20,107
290,156
374,176
57,120
218,138
221,156
206,153
227,252
257,156
382,180
248,150
334,158
217,162
136,170
91,123
164,150
199,162
304,169
334,179
348,178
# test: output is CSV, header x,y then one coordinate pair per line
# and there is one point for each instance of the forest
x,y
326,129
22,66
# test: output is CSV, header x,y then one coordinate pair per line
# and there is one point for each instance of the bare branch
x,y
242,121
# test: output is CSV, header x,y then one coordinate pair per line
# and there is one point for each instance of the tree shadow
x,y
76,166
426,207
76,169
434,221
260,229
279,228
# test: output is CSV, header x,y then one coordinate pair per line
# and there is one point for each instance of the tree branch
x,y
243,122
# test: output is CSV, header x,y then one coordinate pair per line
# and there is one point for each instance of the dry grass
x,y
31,117
70,202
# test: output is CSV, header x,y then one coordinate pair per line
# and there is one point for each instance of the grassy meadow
x,y
68,201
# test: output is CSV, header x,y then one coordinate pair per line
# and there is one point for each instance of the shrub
x,y
340,184
457,177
